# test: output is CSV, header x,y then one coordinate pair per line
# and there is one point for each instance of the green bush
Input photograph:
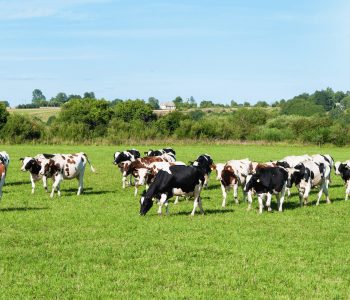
x,y
20,129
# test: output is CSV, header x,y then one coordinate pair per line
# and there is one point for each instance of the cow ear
x,y
21,159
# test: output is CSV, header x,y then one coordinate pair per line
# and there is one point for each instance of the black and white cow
x,y
343,169
123,158
310,174
33,166
267,182
178,181
65,166
160,152
206,164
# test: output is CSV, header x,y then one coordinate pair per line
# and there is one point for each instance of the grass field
x,y
43,113
97,246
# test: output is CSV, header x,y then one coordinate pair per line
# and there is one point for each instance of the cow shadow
x,y
206,212
212,187
16,183
11,209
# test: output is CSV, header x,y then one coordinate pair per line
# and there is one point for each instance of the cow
x,y
206,164
147,173
65,166
4,163
289,162
310,174
124,158
160,152
266,182
33,166
233,175
343,169
127,155
178,181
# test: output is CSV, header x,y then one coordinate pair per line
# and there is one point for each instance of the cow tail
x,y
91,167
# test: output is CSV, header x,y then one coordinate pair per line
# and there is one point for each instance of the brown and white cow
x,y
4,163
65,166
235,173
33,166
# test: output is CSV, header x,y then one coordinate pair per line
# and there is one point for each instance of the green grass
x,y
97,246
42,114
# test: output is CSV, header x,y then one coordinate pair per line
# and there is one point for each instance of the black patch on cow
x,y
32,166
48,155
283,164
204,162
267,180
344,172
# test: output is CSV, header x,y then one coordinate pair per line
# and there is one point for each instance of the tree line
x,y
319,118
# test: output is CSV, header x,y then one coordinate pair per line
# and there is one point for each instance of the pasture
x,y
42,113
97,246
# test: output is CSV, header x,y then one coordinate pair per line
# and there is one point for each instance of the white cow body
x,y
65,166
4,163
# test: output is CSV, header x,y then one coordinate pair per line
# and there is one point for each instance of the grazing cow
x,y
4,163
266,182
308,175
343,169
178,181
147,173
121,159
206,164
65,166
33,165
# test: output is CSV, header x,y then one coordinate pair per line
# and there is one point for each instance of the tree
x,y
134,110
38,97
234,103
192,102
3,115
324,98
153,102
6,103
178,102
301,107
246,104
206,104
261,104
90,95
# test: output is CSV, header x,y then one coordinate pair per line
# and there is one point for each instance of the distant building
x,y
168,105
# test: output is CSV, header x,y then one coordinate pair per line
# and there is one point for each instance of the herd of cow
x,y
164,177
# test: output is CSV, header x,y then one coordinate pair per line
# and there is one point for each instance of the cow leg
x,y
54,186
59,190
136,190
347,192
282,197
197,200
250,200
124,180
261,205
200,205
206,179
322,188
224,195
33,183
235,193
163,199
44,183
268,201
176,200
81,183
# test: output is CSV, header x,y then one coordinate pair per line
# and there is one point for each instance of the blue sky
x,y
212,50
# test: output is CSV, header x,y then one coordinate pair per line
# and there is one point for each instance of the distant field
x,y
41,113
97,246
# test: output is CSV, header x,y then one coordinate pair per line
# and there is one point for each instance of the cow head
x,y
251,181
145,203
142,175
218,169
343,170
120,157
300,176
228,176
30,164
283,164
